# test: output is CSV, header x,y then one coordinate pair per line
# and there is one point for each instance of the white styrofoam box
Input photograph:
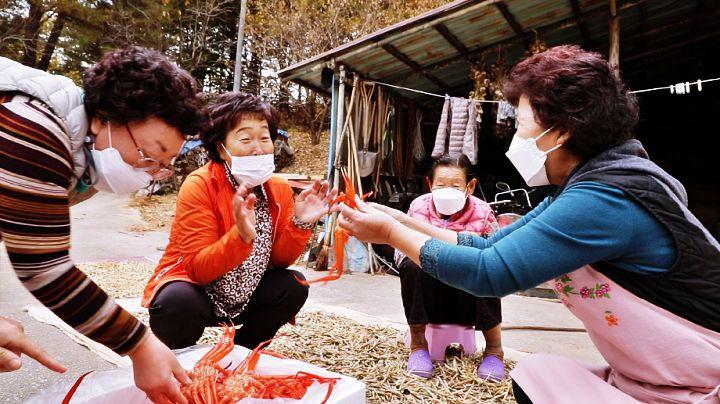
x,y
117,385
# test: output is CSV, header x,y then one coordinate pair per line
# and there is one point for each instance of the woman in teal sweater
x,y
628,257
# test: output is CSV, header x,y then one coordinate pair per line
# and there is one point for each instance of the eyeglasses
x,y
146,163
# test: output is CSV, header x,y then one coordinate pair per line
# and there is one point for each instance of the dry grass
x,y
309,159
376,356
158,212
120,278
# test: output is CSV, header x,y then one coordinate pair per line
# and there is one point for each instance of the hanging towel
x,y
418,147
457,132
505,111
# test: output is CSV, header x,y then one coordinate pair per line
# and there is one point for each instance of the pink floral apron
x,y
655,356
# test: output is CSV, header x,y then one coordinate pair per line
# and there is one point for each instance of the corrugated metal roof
x,y
417,53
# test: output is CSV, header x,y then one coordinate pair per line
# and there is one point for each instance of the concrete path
x,y
101,232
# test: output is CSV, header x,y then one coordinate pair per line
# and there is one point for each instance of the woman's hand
x,y
366,223
244,211
157,372
14,343
375,226
398,215
312,203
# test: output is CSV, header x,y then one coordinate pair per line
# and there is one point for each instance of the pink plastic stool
x,y
439,336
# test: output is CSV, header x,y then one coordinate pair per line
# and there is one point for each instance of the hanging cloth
x,y
389,131
418,147
505,111
457,132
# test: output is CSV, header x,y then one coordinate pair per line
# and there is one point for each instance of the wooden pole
x,y
339,126
614,29
239,46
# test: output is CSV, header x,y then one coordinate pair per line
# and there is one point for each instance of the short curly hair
x,y
579,92
137,83
227,110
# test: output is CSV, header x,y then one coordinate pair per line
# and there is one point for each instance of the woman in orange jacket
x,y
236,230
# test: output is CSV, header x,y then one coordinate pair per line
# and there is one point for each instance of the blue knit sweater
x,y
587,223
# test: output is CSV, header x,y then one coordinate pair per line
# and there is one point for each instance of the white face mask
x,y
448,201
252,170
114,174
529,160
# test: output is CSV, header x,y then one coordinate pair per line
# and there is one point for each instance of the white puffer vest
x,y
60,94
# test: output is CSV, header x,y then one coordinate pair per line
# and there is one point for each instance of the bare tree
x,y
52,40
31,32
309,28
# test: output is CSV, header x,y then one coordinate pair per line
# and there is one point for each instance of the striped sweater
x,y
36,177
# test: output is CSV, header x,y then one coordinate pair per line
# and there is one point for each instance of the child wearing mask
x,y
426,300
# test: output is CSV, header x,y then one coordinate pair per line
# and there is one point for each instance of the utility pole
x,y
239,48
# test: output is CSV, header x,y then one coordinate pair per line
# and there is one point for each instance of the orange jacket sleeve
x,y
208,251
291,240
290,244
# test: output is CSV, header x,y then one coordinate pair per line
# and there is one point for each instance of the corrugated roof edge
x,y
435,16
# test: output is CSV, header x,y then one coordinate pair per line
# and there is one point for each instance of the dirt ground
x,y
157,211
309,159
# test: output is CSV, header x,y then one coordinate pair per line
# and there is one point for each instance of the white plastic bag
x,y
117,385
356,256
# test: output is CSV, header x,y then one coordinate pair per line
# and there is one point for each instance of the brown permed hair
x,y
137,83
227,110
579,92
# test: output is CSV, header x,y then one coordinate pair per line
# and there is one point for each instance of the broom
x,y
322,260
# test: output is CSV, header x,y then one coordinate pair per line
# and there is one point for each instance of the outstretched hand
x,y
14,343
312,203
366,223
398,215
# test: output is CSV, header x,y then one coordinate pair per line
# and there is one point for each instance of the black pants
x,y
180,311
519,393
426,300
